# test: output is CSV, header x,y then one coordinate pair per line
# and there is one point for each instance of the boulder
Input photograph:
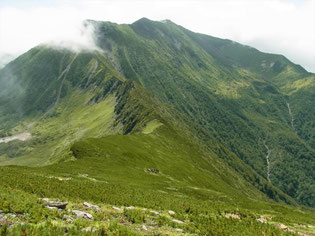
x,y
178,221
60,205
82,214
262,219
156,171
233,216
155,212
51,208
46,199
282,226
117,208
171,212
91,206
3,219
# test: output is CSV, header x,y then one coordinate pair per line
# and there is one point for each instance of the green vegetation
x,y
203,111
113,171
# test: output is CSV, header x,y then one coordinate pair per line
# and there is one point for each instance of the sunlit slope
x,y
234,92
231,99
113,172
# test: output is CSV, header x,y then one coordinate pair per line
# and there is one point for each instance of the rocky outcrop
x,y
91,206
82,214
59,205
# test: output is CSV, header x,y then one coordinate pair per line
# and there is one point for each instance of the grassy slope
x,y
192,178
113,171
107,103
55,126
231,90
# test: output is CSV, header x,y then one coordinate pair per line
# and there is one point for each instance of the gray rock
x,y
262,219
178,221
117,208
83,215
171,212
282,226
155,212
3,218
51,208
144,227
91,206
60,205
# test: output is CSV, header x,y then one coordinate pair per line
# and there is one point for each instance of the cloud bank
x,y
275,26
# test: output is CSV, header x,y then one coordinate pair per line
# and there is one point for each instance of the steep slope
x,y
228,98
113,172
231,90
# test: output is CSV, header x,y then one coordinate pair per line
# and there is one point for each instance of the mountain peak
x,y
142,20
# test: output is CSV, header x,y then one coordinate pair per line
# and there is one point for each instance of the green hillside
x,y
225,88
230,130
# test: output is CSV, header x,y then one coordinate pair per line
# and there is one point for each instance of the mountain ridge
x,y
229,97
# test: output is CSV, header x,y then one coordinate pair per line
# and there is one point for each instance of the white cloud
x,y
284,27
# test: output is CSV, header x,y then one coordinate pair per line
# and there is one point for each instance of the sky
x,y
277,26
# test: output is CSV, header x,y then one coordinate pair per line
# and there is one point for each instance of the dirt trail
x,y
268,162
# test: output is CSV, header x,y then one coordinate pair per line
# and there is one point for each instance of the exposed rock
x,y
155,171
233,216
130,208
144,227
51,208
171,212
179,230
46,199
82,214
155,212
282,226
178,221
4,220
91,206
262,219
59,178
117,208
60,205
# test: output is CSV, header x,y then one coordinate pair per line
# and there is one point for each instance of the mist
x,y
275,26
61,28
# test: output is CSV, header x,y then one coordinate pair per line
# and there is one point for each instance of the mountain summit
x,y
216,120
